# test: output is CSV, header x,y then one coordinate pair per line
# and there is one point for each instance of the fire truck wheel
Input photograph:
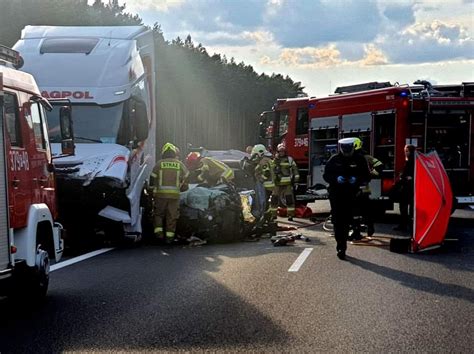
x,y
31,283
40,278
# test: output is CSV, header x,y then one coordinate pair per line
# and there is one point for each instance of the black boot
x,y
341,255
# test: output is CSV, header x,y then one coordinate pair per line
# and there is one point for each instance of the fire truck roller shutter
x,y
323,135
4,241
357,122
324,123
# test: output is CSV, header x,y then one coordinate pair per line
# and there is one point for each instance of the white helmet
x,y
259,150
346,146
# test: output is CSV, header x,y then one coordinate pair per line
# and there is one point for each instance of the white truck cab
x,y
108,74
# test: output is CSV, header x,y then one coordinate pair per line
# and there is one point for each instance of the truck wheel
x,y
40,276
31,283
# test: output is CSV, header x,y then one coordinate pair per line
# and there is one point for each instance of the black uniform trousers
x,y
342,207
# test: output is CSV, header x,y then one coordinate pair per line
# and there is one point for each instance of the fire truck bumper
x,y
463,202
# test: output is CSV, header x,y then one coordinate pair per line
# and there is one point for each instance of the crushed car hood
x,y
93,161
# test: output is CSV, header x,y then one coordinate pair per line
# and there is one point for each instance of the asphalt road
x,y
241,297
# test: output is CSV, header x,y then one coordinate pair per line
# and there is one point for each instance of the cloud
x,y
429,42
373,56
259,37
152,5
306,57
401,15
314,22
324,57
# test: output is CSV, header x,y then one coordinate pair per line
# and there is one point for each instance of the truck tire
x,y
40,276
31,283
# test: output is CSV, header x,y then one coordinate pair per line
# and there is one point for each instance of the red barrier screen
x,y
433,202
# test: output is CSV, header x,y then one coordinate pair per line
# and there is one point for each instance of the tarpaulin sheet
x,y
433,202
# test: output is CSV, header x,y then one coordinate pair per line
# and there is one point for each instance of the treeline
x,y
205,100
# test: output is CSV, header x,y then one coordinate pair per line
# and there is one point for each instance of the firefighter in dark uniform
x,y
345,172
286,174
169,178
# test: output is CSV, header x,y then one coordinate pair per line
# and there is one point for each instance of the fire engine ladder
x,y
413,97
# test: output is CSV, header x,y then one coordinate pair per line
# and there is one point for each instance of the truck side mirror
x,y
262,130
140,119
67,134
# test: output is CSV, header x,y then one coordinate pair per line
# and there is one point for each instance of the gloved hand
x,y
352,180
341,180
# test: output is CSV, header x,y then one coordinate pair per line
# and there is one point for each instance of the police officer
x,y
169,177
286,174
363,198
344,172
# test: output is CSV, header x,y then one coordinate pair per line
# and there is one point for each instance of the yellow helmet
x,y
357,144
168,147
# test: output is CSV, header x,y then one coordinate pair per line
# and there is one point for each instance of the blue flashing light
x,y
312,105
403,94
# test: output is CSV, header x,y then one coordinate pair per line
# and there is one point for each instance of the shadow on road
x,y
417,282
139,299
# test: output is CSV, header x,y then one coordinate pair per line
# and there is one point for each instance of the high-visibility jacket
x,y
285,171
214,171
375,165
168,178
264,172
375,169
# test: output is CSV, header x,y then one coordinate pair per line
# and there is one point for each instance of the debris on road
x,y
283,240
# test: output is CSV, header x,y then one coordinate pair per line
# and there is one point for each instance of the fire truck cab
x,y
29,235
288,123
386,117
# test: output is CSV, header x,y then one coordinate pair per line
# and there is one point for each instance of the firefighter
x,y
345,172
209,171
264,177
169,178
363,198
286,174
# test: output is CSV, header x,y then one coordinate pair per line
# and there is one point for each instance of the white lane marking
x,y
78,259
164,253
300,260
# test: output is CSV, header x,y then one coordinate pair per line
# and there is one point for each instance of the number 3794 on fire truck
x,y
29,235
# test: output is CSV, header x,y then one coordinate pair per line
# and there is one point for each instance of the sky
x,y
329,43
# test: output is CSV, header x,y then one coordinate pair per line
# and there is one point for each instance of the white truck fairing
x,y
103,72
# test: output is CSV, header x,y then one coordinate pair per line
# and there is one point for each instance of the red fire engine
x,y
386,117
29,235
288,123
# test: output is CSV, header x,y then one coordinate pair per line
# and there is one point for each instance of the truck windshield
x,y
92,123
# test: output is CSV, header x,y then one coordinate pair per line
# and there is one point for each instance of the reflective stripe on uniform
x,y
169,234
228,173
154,175
268,184
285,180
158,230
170,165
167,191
